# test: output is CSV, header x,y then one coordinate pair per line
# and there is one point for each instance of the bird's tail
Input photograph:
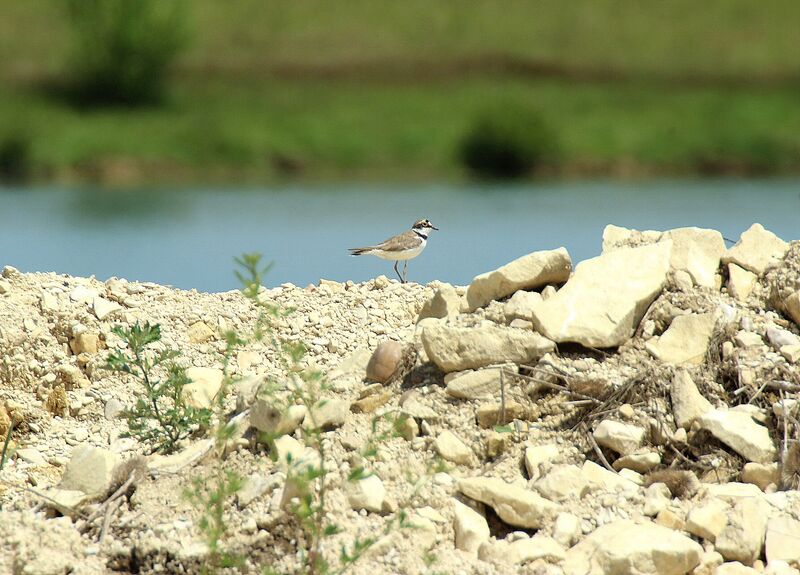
x,y
360,251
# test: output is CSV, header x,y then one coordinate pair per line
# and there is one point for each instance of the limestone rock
x,y
444,303
459,348
743,537
384,361
204,387
103,308
735,568
757,250
351,370
199,332
625,547
471,528
783,540
451,448
521,551
708,520
620,437
367,493
327,414
740,432
687,402
475,384
539,455
566,529
791,353
90,469
85,343
748,339
528,272
792,306
733,492
602,479
253,486
602,303
272,418
779,337
371,403
491,414
740,282
761,475
638,462
686,340
696,251
515,505
562,482
521,304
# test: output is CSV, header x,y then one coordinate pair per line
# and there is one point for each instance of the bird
x,y
401,247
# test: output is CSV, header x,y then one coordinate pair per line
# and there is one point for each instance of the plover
x,y
401,247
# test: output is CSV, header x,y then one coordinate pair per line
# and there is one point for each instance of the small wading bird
x,y
401,247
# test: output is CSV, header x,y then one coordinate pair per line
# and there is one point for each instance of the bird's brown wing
x,y
399,242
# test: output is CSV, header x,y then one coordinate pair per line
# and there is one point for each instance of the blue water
x,y
188,237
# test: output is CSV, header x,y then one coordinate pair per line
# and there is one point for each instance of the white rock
x,y
792,306
740,282
272,418
483,383
444,303
623,438
791,353
735,568
779,337
743,537
708,520
367,493
786,405
327,414
687,402
761,475
601,478
733,492
696,251
783,540
566,529
471,528
32,456
657,497
562,482
633,548
521,304
685,341
538,455
204,387
602,303
103,308
458,348
451,448
515,505
778,567
740,432
748,339
81,293
757,250
90,469
638,462
253,486
528,272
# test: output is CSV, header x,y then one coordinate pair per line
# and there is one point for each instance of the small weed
x,y
161,417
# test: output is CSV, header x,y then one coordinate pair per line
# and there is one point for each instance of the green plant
x,y
507,142
15,157
307,476
161,417
122,48
212,497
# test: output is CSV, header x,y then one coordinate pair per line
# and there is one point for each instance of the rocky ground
x,y
635,414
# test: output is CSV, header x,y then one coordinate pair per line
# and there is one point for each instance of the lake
x,y
188,237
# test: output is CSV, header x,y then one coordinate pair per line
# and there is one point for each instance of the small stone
x,y
708,520
407,428
656,498
757,250
199,332
735,568
783,540
515,505
205,383
451,448
600,478
57,402
791,353
32,456
567,529
740,432
253,487
491,414
792,306
444,303
743,537
687,402
470,527
103,308
562,482
520,305
685,341
638,462
475,384
90,469
275,419
626,411
539,455
496,443
327,414
5,287
761,475
385,361
668,518
113,409
740,282
747,339
620,437
367,493
246,359
371,403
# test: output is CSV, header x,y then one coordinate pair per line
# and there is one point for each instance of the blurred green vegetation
x,y
380,89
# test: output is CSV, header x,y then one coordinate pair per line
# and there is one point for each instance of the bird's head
x,y
424,226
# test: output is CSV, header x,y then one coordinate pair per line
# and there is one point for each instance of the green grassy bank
x,y
383,90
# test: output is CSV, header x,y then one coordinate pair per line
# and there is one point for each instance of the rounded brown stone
x,y
384,361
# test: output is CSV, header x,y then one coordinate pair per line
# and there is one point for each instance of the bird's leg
x,y
398,273
405,272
